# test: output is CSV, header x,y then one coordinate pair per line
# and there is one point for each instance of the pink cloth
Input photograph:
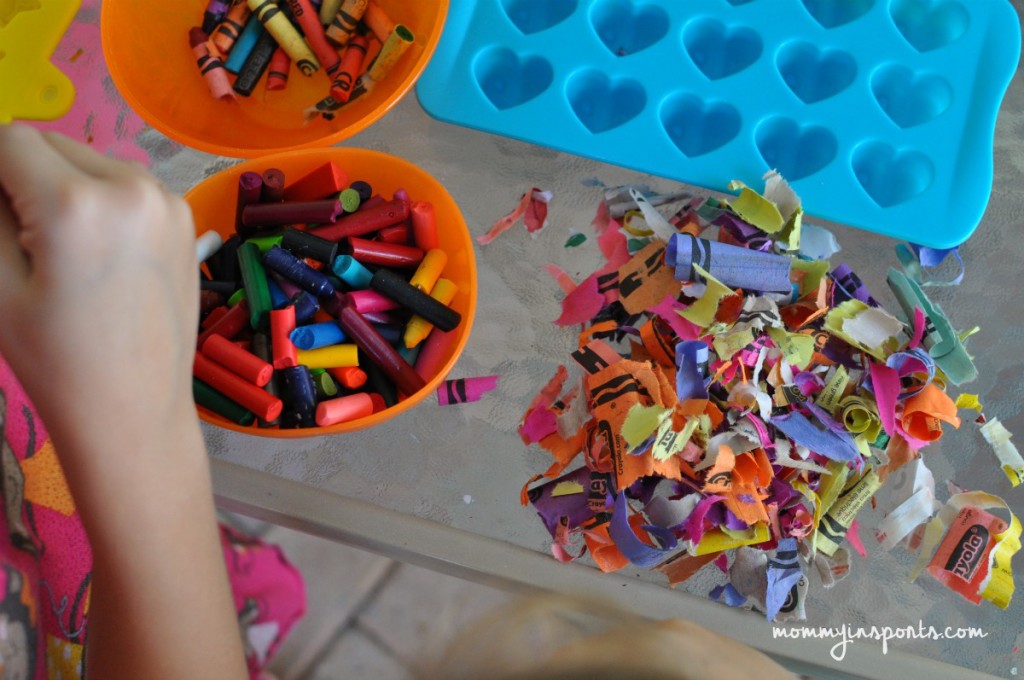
x,y
46,562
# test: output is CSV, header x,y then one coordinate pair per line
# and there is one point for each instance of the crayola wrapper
x,y
962,560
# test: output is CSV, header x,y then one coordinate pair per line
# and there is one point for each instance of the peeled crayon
x,y
464,390
418,328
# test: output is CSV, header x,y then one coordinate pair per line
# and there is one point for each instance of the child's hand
x,y
98,287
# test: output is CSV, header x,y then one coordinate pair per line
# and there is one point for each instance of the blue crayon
x,y
299,398
409,353
298,272
243,46
318,335
277,297
306,305
390,332
352,272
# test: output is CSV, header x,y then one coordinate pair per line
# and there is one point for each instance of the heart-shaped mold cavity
x,y
910,98
719,50
602,103
815,74
929,25
795,150
696,126
891,176
625,28
534,16
737,3
836,13
510,80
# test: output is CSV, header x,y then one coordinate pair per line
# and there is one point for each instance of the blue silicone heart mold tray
x,y
881,113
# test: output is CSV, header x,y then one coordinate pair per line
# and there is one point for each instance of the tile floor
x,y
368,616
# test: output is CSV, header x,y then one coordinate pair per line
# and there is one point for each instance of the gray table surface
x,y
440,486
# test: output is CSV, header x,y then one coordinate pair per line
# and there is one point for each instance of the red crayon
x,y
325,181
435,352
277,71
424,225
351,67
210,65
372,202
378,402
309,20
213,317
282,323
273,186
343,409
364,221
209,302
239,361
397,233
229,325
256,399
384,254
380,352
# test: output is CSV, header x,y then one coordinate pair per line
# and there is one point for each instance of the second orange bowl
x,y
213,208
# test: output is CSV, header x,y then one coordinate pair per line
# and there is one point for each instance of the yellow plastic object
x,y
30,86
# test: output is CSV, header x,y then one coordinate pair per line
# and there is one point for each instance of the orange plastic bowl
x,y
213,208
147,52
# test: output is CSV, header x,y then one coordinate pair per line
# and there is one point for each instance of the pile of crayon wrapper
x,y
354,42
737,400
326,305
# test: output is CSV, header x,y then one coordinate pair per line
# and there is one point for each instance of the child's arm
x,y
99,306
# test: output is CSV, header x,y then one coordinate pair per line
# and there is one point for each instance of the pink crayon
x,y
464,390
211,66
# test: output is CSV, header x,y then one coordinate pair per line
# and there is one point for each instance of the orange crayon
x,y
378,21
344,409
227,32
344,24
350,377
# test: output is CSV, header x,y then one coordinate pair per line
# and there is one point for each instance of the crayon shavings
x,y
736,399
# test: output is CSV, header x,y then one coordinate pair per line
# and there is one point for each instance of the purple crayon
x,y
734,266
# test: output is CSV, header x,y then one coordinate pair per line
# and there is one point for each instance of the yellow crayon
x,y
328,10
288,38
333,356
394,47
418,328
344,23
429,271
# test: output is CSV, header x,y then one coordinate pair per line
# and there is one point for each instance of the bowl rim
x,y
191,141
349,154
